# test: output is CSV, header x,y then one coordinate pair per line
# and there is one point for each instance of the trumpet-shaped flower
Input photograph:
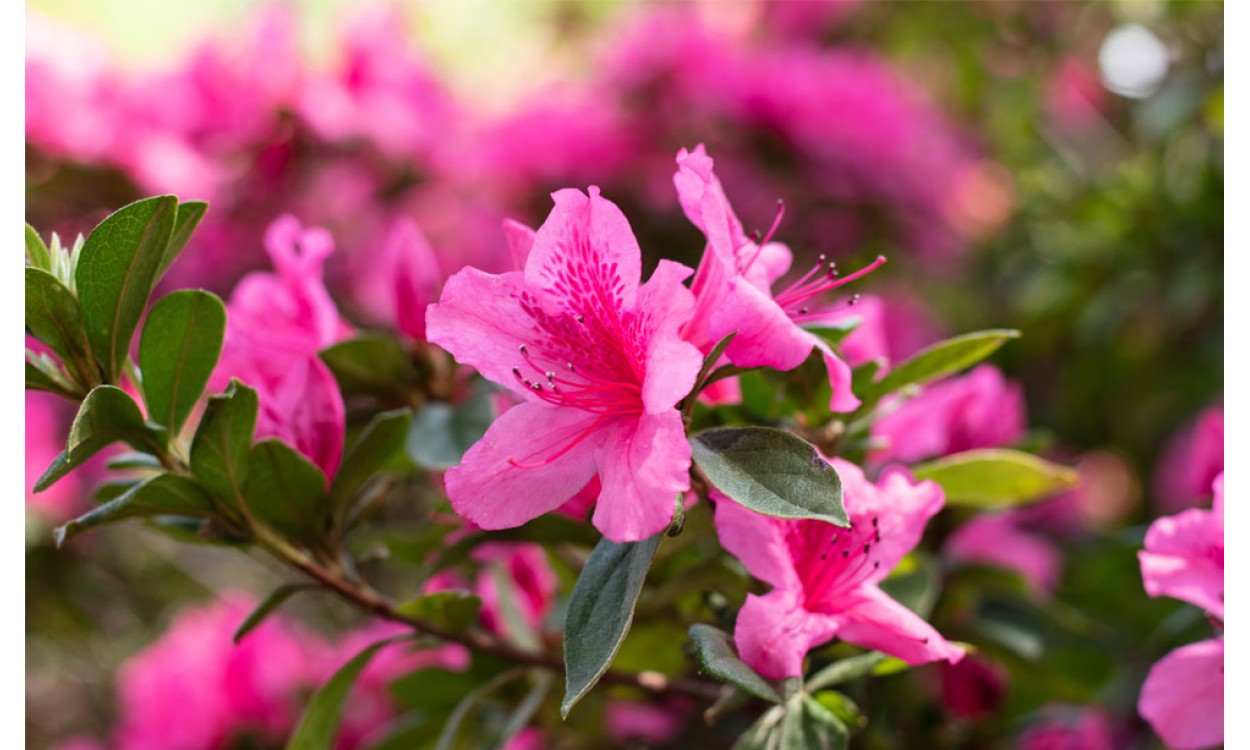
x,y
599,360
825,578
733,286
1184,556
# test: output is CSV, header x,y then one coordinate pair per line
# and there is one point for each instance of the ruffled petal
x,y
841,399
767,337
873,620
774,633
759,541
1183,696
672,363
900,505
1184,559
642,467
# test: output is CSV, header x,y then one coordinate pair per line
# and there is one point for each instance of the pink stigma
x,y
820,279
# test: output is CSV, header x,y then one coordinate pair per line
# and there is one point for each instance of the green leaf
x,y
525,710
275,599
448,610
996,478
916,583
771,472
765,733
835,333
116,272
709,362
223,442
441,433
319,725
36,251
286,490
844,670
186,219
370,363
822,727
105,417
716,656
53,316
381,439
161,495
178,350
600,612
943,358
447,738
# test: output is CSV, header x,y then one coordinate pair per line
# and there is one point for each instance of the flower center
x,y
834,562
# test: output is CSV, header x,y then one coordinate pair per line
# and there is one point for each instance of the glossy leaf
x,y
370,363
53,317
160,495
714,651
996,478
107,415
381,439
448,610
771,472
178,350
319,725
943,358
223,442
286,490
116,271
186,219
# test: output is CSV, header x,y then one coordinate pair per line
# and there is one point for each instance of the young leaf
x,y
105,417
441,433
178,350
223,442
36,251
186,219
116,272
810,726
161,495
370,363
275,599
844,670
600,612
771,472
449,610
716,656
286,490
996,478
382,438
319,725
943,358
52,315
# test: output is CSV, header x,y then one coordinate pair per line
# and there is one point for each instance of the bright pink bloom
x,y
1086,729
403,280
194,689
1190,462
1184,556
277,323
825,579
1183,696
630,723
1001,539
47,425
600,362
531,577
733,287
978,410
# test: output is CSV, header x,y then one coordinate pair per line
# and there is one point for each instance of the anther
x,y
866,548
570,366
525,352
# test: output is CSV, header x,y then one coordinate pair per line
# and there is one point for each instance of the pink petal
x,y
642,468
415,275
842,399
703,200
873,620
774,632
767,337
520,242
491,490
757,540
771,263
306,410
1183,696
1184,559
901,506
672,364
995,539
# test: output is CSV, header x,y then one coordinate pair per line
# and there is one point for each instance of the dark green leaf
x,y
441,433
818,728
996,478
319,725
771,472
600,612
105,417
382,438
943,358
178,350
286,490
162,494
186,219
525,710
38,378
915,583
716,656
434,689
709,362
131,460
448,610
36,251
116,271
844,670
275,599
370,363
223,442
765,733
53,316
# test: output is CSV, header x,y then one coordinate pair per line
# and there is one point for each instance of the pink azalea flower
x,y
1085,729
533,584
600,363
629,723
47,424
825,579
1190,461
276,325
1183,696
1001,539
403,280
974,687
733,287
1184,556
977,410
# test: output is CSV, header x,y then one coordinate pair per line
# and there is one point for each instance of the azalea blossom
x,y
825,578
1062,728
733,287
1002,539
1183,696
1184,556
403,280
1190,462
598,358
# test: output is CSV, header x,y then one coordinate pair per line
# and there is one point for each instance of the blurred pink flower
x,y
47,427
1190,461
973,687
1184,556
649,723
1183,696
978,410
403,280
1074,98
1060,729
1001,539
598,358
825,579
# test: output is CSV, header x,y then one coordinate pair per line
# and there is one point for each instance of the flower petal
x,y
490,489
841,399
767,337
642,468
997,540
703,200
1183,696
759,541
873,620
1184,559
672,363
900,506
520,242
774,633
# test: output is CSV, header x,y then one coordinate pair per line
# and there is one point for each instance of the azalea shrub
x,y
360,418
